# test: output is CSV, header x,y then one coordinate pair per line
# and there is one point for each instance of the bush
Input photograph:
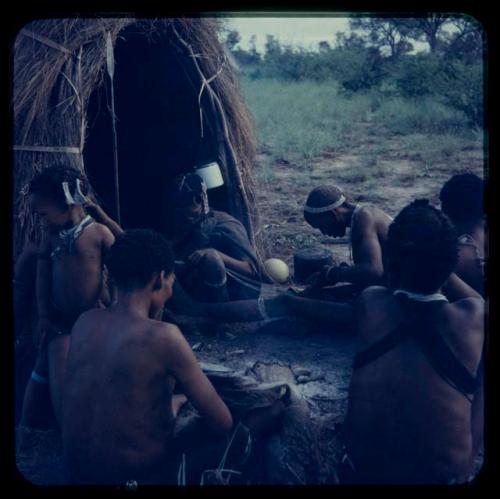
x,y
461,86
425,115
415,76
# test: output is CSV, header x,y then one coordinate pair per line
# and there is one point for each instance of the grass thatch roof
x,y
58,63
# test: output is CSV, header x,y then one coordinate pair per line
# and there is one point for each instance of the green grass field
x,y
297,121
381,150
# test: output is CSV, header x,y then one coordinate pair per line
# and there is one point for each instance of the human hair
x,y
319,197
188,188
462,198
48,183
422,248
136,256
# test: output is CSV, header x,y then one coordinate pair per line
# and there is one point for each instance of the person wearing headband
x,y
328,209
211,246
68,281
415,404
462,199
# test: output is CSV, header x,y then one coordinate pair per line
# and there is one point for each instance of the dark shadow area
x,y
158,130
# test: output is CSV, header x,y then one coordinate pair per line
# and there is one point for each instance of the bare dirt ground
x,y
327,351
390,181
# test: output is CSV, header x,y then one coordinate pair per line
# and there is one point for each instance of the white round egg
x,y
277,270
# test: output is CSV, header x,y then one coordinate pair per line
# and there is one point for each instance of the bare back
x,y
117,412
77,276
117,402
404,422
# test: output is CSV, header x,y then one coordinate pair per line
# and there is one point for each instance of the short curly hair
x,y
48,183
136,256
319,197
462,198
422,248
187,188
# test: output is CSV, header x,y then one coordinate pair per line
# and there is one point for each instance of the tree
x,y
273,46
324,46
232,39
428,28
467,42
384,33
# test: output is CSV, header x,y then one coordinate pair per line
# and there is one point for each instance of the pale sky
x,y
304,32
297,31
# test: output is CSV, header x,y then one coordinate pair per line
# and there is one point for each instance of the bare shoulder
x,y
98,235
166,334
472,308
366,214
99,230
89,317
467,315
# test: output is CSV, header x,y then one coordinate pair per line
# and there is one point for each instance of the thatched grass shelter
x,y
176,100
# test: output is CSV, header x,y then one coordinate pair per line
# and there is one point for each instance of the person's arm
x,y
469,270
108,291
295,306
280,306
24,285
195,385
240,266
477,420
100,216
367,253
44,289
456,289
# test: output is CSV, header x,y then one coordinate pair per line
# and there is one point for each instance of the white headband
x,y
78,197
324,209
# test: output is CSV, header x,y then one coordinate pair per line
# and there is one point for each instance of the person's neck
x,y
137,303
348,211
77,214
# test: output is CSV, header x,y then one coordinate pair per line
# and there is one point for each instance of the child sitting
x,y
69,278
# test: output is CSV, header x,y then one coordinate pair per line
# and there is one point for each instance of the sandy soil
x,y
326,351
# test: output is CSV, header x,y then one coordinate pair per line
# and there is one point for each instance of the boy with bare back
x,y
415,409
69,278
119,406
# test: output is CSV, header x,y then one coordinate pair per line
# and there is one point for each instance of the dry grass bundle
x,y
59,63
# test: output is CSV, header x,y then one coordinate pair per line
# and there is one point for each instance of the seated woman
x,y
214,255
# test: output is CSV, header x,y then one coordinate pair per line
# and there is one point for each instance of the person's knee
x,y
213,268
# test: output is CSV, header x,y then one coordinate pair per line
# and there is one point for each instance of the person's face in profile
x,y
188,217
329,224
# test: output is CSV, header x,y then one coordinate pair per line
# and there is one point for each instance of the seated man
x,y
462,200
123,366
415,401
214,257
328,210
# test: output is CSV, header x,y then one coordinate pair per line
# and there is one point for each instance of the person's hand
x,y
46,331
196,256
321,278
93,209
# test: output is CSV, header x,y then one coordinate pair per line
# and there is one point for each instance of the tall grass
x,y
426,115
300,120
